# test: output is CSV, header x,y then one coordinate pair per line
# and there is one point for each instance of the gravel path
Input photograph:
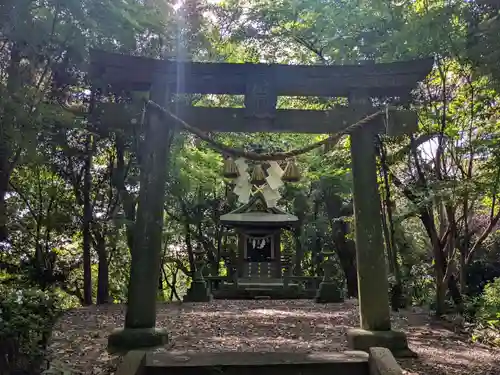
x,y
79,339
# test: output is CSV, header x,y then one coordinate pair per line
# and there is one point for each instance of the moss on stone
x,y
198,292
126,339
395,341
329,292
370,252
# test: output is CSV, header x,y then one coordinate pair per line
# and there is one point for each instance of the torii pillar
x,y
373,287
140,329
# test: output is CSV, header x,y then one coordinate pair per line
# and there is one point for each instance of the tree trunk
x,y
87,221
103,280
7,120
396,289
161,292
318,255
189,248
397,300
440,293
345,248
463,272
127,200
387,238
100,244
4,183
426,215
346,252
437,247
439,273
455,293
440,267
172,285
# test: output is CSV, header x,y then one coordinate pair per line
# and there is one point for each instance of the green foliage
x,y
26,320
489,304
483,45
420,285
488,314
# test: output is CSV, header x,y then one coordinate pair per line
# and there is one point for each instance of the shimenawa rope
x,y
276,156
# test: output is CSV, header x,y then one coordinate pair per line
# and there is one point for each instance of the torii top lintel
x,y
138,73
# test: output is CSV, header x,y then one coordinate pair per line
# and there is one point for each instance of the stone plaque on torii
x,y
261,84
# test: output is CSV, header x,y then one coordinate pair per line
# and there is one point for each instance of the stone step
x,y
230,292
263,363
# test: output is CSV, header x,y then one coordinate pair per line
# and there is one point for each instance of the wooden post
x,y
241,256
277,255
140,318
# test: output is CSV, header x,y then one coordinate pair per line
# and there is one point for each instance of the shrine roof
x,y
257,213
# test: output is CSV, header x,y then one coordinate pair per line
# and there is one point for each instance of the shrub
x,y
489,303
421,286
26,320
488,314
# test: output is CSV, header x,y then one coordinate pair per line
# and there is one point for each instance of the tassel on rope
x,y
258,175
292,173
230,168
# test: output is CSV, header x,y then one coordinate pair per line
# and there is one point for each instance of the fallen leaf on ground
x,y
80,337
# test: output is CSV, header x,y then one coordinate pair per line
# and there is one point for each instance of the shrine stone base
x,y
329,292
125,339
198,292
395,341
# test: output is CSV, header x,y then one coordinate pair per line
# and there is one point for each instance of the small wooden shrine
x,y
258,228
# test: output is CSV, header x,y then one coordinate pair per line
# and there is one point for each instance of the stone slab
x,y
133,363
265,363
382,362
187,359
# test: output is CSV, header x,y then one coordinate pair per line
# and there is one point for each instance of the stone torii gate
x,y
261,84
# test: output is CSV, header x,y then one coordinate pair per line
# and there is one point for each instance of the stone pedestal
x,y
198,292
395,341
329,292
124,339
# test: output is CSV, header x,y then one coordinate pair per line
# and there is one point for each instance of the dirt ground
x,y
80,338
